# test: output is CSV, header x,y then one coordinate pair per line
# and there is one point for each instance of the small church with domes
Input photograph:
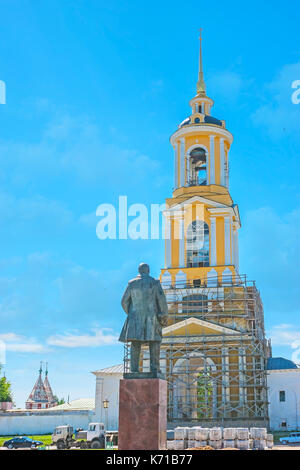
x,y
41,396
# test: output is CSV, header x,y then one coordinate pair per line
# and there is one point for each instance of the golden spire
x,y
200,83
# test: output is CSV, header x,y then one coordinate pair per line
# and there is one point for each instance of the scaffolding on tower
x,y
217,377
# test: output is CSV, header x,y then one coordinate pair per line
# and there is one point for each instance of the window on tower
x,y
197,170
195,303
197,244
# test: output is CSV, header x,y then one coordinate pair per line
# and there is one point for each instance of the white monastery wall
x,y
42,422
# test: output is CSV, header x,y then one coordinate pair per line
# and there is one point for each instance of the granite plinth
x,y
142,414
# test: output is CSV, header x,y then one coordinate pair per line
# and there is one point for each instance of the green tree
x,y
59,401
204,395
5,389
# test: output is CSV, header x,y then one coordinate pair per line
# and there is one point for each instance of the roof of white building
x,y
79,404
118,369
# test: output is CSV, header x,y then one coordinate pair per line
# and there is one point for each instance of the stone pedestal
x,y
142,414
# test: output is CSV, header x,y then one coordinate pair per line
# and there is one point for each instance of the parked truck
x,y
93,438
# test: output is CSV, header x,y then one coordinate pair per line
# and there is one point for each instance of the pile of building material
x,y
216,438
197,437
220,438
259,438
242,439
229,437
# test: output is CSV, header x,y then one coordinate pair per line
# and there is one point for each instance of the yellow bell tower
x,y
214,351
201,219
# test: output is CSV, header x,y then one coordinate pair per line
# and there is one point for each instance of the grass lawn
x,y
45,438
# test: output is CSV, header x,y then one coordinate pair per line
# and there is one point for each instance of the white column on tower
x,y
187,170
212,179
226,165
236,250
168,256
182,163
176,166
235,246
227,223
181,242
213,242
222,163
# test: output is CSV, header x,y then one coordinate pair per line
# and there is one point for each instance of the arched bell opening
x,y
197,167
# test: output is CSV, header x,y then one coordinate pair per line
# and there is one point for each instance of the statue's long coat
x,y
145,303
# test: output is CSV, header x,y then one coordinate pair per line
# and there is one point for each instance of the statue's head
x,y
144,268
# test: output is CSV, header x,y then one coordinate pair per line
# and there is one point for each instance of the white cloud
x,y
18,343
26,347
9,337
287,335
73,146
278,115
40,207
100,337
22,212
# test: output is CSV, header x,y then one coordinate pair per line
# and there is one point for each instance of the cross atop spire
x,y
200,83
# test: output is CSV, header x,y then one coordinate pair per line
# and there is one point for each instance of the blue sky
x,y
94,90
